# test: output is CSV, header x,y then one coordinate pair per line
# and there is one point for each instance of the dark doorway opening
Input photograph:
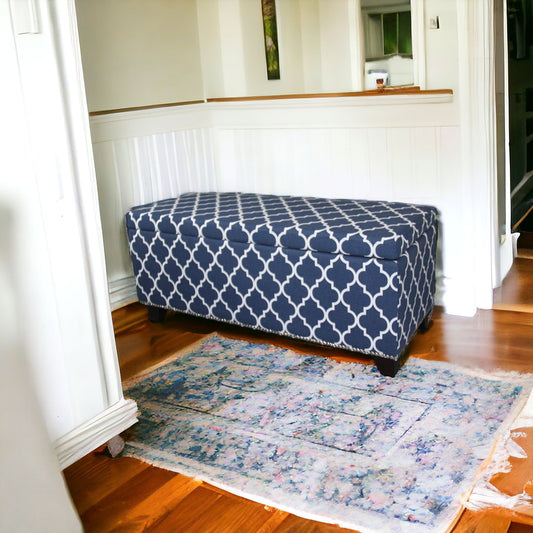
x,y
520,72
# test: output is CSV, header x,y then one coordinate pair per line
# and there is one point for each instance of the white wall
x,y
317,47
139,52
33,495
49,191
337,21
442,45
411,149
233,49
406,150
310,45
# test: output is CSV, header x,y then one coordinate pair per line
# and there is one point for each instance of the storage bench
x,y
355,274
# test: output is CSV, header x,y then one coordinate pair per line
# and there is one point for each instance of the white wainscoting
x,y
141,157
402,148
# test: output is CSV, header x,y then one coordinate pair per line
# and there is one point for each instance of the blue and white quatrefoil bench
x,y
353,274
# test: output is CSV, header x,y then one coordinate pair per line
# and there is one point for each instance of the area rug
x,y
334,442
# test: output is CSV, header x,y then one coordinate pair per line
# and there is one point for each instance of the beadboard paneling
x,y
140,169
377,163
402,151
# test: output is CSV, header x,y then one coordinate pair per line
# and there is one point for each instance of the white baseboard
x,y
456,297
122,292
95,432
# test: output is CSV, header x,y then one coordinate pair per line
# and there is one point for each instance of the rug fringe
x,y
488,496
514,449
186,471
317,517
484,495
490,375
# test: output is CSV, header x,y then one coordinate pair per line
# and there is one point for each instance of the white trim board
x,y
95,432
122,292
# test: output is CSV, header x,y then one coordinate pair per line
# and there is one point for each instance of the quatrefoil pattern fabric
x,y
350,273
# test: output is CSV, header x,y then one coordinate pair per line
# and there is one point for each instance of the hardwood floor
x,y
516,293
126,495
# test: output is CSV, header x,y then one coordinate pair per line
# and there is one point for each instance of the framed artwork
x,y
270,28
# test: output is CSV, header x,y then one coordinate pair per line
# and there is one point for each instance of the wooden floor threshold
x,y
519,308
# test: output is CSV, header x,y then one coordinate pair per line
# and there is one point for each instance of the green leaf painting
x,y
271,38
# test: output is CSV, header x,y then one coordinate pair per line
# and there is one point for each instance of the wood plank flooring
x,y
516,293
126,495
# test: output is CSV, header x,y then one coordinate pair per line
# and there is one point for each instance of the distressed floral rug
x,y
335,442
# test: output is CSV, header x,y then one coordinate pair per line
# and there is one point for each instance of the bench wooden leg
x,y
389,367
426,323
156,314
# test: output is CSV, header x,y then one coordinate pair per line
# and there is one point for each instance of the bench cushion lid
x,y
362,228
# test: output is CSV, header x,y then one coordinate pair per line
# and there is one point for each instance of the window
x,y
388,34
388,44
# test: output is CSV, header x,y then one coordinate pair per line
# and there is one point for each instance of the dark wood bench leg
x,y
390,367
156,314
426,323
387,367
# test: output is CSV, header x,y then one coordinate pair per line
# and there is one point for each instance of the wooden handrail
x,y
143,107
387,91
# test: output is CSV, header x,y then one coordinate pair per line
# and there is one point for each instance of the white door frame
x,y
507,247
91,408
120,413
477,96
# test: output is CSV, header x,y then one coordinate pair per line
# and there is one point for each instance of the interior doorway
x,y
520,83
